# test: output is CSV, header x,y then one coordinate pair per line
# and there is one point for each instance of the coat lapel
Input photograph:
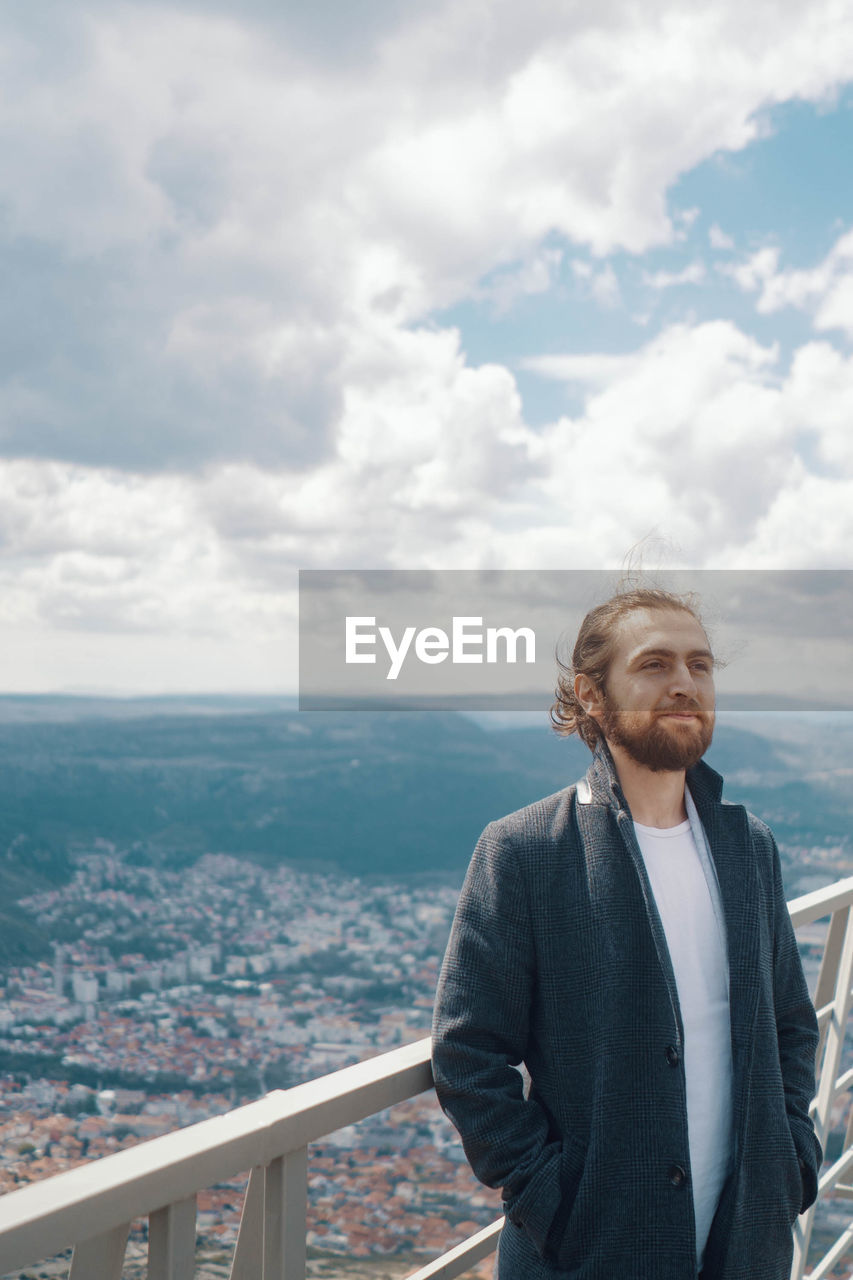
x,y
619,883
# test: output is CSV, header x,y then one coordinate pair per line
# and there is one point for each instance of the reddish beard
x,y
656,745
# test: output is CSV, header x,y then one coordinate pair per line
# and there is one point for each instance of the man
x,y
627,939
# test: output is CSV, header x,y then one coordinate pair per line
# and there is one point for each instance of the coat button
x,y
677,1175
672,1055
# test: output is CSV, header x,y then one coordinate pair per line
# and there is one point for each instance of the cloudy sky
x,y
372,284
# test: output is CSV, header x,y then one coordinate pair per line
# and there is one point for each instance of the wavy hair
x,y
593,654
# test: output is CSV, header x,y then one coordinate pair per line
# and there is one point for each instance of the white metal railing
x,y
832,1001
90,1208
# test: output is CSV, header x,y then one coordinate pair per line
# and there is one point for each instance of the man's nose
x,y
683,681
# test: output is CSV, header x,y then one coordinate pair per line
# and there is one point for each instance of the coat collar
x,y
601,784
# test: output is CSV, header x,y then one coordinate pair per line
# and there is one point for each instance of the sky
x,y
375,285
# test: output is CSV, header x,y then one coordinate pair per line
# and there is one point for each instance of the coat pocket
x,y
572,1164
793,1179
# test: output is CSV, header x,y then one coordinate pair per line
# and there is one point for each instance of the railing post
x,y
248,1263
102,1257
827,977
835,1033
171,1241
285,1214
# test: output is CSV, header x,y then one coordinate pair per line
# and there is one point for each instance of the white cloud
x,y
604,287
686,217
718,239
753,273
535,275
683,220
600,284
824,291
103,550
818,510
595,369
426,444
693,273
700,434
819,395
685,421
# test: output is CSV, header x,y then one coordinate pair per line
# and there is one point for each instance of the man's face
x,y
658,704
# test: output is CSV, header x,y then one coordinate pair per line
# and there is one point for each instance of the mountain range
x,y
370,793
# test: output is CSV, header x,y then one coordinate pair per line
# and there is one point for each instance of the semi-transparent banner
x,y
486,640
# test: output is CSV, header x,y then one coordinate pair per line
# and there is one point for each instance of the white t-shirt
x,y
698,956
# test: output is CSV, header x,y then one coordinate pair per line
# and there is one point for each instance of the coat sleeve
x,y
797,1032
480,1030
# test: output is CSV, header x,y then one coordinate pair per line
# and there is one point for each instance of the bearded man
x,y
628,941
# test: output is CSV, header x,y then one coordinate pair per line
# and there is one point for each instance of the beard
x,y
656,745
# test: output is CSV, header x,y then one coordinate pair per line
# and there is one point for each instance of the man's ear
x,y
589,695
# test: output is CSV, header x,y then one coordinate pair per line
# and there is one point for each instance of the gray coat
x,y
557,959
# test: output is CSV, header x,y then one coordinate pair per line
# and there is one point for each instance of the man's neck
x,y
655,799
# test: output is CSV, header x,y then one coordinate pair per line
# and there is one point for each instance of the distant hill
x,y
370,793
373,792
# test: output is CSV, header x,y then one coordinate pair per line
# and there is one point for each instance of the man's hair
x,y
593,654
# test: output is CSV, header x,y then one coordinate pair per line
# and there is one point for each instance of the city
x,y
184,994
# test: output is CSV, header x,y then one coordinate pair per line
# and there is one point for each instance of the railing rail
x,y
91,1208
99,1198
